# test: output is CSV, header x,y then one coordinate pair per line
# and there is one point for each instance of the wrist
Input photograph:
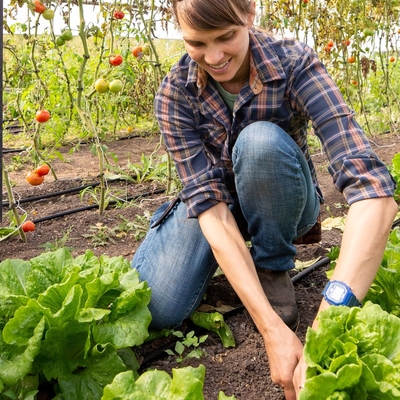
x,y
338,293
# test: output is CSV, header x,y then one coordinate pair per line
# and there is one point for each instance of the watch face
x,y
336,292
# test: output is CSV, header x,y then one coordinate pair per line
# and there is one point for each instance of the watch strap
x,y
352,300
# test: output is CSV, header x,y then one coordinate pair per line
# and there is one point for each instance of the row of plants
x,y
74,323
96,81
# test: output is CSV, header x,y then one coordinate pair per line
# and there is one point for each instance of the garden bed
x,y
241,371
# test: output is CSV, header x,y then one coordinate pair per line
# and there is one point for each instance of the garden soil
x,y
243,370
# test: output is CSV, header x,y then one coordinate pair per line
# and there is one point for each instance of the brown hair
x,y
213,14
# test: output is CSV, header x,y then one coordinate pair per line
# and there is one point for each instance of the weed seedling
x,y
188,347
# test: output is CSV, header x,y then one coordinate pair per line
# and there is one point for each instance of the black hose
x,y
310,269
54,194
92,206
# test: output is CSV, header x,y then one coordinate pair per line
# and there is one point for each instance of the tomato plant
x,y
38,7
28,226
42,116
116,60
42,170
34,179
118,14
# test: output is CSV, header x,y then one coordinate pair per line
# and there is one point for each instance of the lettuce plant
x,y
185,384
72,320
354,354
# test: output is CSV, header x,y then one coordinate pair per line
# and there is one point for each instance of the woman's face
x,y
223,53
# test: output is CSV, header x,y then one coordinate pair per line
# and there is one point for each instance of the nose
x,y
213,55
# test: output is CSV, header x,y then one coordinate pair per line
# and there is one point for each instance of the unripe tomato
x,y
42,116
101,85
60,41
116,60
146,50
48,14
115,86
351,60
34,179
66,35
28,226
42,170
118,14
137,50
38,7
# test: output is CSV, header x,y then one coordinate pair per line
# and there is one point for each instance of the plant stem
x,y
12,203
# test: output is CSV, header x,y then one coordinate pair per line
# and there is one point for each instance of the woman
x,y
234,112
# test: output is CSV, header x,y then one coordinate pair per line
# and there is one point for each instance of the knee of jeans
x,y
262,140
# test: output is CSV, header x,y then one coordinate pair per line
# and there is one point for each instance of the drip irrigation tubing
x,y
5,150
54,194
92,206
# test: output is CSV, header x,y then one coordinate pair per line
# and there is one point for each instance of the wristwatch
x,y
339,294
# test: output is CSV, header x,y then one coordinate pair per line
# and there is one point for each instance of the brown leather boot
x,y
280,293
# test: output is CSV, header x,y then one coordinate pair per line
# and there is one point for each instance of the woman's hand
x,y
285,352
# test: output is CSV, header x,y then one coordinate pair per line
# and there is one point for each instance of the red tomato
x,y
330,44
34,179
346,42
351,60
137,50
116,60
118,14
28,226
392,59
42,170
42,116
38,7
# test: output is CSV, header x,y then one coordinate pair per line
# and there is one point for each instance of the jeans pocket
x,y
164,210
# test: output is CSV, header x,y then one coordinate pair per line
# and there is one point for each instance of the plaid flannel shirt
x,y
288,86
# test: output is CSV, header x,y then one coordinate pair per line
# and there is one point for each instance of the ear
x,y
251,17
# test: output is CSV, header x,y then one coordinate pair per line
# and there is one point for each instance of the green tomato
x,y
48,14
115,86
60,41
67,35
101,85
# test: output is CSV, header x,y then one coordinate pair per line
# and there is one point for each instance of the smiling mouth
x,y
219,66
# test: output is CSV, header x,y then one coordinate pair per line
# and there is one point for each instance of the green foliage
x,y
70,319
188,347
385,288
215,322
353,355
186,383
395,171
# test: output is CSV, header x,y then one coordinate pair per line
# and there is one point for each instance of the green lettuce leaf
x,y
353,355
69,320
185,384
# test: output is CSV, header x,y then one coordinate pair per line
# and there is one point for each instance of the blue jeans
x,y
275,203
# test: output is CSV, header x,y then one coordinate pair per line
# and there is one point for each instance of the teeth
x,y
219,66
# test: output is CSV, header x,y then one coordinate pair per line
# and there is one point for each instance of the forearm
x,y
233,257
368,224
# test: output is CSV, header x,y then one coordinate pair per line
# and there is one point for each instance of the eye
x,y
227,38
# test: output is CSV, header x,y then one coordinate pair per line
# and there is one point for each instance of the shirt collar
x,y
265,65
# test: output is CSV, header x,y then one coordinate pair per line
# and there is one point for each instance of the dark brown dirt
x,y
242,371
